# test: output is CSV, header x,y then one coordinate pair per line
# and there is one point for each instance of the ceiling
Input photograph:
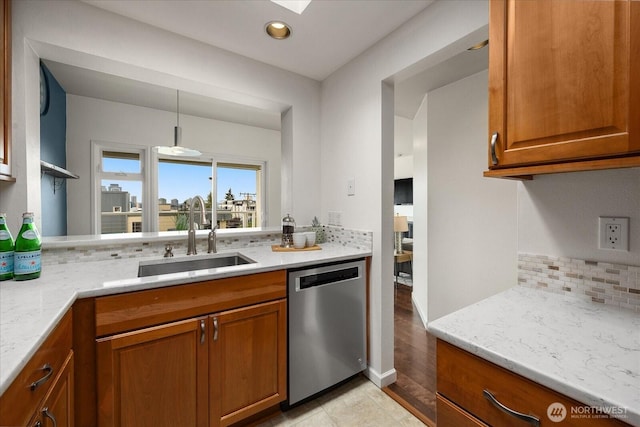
x,y
94,84
327,35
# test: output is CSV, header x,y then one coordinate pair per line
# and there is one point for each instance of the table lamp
x,y
400,225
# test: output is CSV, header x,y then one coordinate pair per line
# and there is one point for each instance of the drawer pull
x,y
48,372
524,417
202,331
47,414
494,157
215,329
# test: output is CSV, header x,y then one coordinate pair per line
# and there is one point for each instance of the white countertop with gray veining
x,y
584,350
30,310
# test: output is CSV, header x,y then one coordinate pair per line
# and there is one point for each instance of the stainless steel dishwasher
x,y
326,327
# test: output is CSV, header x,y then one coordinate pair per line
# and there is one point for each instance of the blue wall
x,y
53,149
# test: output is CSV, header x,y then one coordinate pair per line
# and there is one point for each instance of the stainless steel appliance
x,y
327,327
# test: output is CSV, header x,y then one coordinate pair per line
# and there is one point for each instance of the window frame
x,y
98,175
261,185
149,161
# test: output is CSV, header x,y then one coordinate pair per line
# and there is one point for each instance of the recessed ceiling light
x,y
278,30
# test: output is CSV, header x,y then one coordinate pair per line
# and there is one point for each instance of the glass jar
x,y
288,227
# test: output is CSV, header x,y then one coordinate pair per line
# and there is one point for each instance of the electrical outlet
x,y
614,233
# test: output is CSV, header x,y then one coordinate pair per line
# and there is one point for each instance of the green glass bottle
x,y
27,263
6,250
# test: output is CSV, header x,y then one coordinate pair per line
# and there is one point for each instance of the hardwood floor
x,y
415,361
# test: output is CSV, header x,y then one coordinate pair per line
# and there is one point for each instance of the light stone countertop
x,y
30,310
584,350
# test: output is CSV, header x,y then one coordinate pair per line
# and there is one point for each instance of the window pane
x,y
121,206
121,162
238,200
179,181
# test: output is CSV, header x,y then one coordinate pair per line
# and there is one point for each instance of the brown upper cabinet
x,y
563,88
5,92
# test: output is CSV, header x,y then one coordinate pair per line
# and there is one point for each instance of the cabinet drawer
x,y
141,309
450,415
26,392
463,377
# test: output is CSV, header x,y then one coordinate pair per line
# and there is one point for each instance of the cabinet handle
x,y
215,329
48,372
47,414
37,424
524,417
494,157
202,334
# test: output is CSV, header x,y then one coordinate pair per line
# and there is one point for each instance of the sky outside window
x,y
184,180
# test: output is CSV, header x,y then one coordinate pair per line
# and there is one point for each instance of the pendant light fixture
x,y
176,149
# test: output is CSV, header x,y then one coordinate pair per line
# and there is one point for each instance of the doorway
x,y
414,348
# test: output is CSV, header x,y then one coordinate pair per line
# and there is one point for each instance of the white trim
x,y
97,175
261,190
381,380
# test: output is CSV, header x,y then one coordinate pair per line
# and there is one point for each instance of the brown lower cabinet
x,y
42,395
57,408
463,381
214,369
154,376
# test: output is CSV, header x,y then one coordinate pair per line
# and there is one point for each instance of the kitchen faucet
x,y
211,240
191,240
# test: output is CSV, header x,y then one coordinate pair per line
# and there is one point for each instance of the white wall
x,y
472,241
93,119
76,33
558,214
420,212
403,143
356,142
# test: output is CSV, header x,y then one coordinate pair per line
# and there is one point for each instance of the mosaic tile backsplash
x,y
337,235
601,282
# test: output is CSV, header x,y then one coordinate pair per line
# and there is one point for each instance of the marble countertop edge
x,y
552,382
30,311
506,351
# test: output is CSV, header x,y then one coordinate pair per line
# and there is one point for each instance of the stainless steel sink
x,y
169,265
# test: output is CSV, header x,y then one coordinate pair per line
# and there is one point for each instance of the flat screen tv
x,y
403,191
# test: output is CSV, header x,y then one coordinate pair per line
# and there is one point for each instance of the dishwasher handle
x,y
327,277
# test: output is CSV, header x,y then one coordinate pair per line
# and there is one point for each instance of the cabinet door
x,y
248,362
563,80
154,377
57,408
5,91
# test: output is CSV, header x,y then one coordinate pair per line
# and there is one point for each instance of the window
x,y
178,182
119,188
131,198
239,195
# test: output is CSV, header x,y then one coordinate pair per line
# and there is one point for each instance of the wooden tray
x,y
278,248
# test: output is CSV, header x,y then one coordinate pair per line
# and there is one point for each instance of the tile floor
x,y
359,403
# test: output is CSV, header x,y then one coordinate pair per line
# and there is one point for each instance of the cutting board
x,y
278,248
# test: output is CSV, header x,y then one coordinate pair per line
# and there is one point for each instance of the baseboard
x,y
381,380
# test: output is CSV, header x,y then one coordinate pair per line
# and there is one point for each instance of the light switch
x,y
351,187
